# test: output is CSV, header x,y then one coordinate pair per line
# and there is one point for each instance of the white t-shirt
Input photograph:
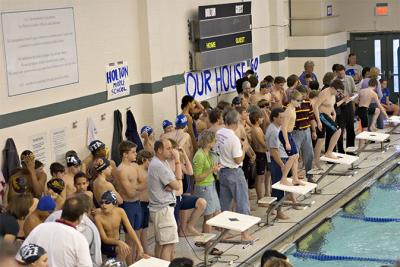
x,y
89,231
65,246
229,147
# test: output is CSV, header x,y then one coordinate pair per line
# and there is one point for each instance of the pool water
x,y
341,236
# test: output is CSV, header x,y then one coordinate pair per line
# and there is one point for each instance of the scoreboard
x,y
223,35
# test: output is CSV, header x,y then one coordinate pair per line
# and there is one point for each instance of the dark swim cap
x,y
31,253
56,184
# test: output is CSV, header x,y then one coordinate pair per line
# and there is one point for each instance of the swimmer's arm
x,y
86,163
142,184
198,108
383,110
186,165
36,186
284,126
104,238
276,157
123,178
259,136
129,229
320,99
250,152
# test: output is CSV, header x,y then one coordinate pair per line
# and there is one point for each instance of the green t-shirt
x,y
201,164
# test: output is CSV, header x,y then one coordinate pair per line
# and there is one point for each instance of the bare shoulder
x,y
120,211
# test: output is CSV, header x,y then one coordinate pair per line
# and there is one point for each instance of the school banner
x,y
117,80
220,80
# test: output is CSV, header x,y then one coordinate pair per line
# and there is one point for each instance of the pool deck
x,y
336,191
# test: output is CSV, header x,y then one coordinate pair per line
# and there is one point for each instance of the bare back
x,y
31,222
290,118
69,184
366,96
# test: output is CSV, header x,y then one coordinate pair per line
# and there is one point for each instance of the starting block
x,y
342,159
297,189
229,221
372,136
396,120
267,202
151,262
204,238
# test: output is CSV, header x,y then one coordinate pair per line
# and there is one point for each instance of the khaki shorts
x,y
165,228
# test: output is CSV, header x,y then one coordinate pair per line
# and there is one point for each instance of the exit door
x,y
379,50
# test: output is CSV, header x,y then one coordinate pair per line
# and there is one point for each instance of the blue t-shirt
x,y
385,93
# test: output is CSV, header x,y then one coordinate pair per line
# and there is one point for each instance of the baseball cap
x,y
114,263
46,203
146,129
181,121
166,123
101,164
95,145
56,184
31,253
108,197
19,184
73,160
236,101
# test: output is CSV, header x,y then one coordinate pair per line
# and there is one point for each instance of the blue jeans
x,y
276,175
302,138
233,186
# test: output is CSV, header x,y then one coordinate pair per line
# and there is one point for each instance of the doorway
x,y
381,50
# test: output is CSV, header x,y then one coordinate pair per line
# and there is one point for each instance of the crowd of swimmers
x,y
93,212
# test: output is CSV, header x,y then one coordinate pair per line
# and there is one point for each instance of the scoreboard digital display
x,y
224,41
223,35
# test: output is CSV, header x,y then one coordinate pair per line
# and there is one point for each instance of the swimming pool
x,y
366,232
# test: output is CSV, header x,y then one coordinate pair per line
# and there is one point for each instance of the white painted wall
x,y
155,44
358,16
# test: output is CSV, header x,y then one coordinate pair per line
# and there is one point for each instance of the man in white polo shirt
x,y
65,245
233,184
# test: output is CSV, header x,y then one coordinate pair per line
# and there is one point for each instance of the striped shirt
x,y
304,115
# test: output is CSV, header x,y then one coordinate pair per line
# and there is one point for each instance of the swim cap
x,y
236,101
146,129
108,197
101,164
114,263
31,253
73,160
46,203
166,123
181,121
19,184
26,153
56,184
95,145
